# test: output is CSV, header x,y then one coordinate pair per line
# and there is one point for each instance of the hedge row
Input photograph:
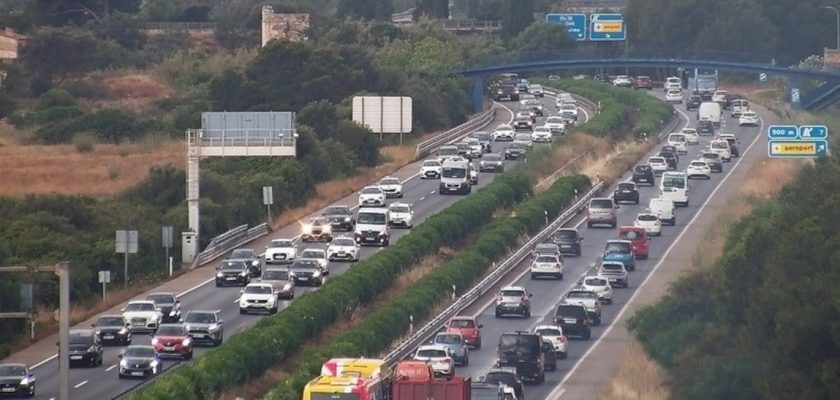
x,y
252,352
388,323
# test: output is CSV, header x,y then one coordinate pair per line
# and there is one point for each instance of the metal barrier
x,y
228,241
424,148
407,345
580,99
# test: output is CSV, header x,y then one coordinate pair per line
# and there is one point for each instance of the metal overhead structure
x,y
232,134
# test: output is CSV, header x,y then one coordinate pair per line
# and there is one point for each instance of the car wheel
x,y
498,315
273,310
560,277
242,311
597,321
609,301
188,356
120,376
467,361
588,224
218,284
587,335
478,346
527,314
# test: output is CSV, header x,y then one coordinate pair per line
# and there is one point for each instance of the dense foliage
x,y
763,322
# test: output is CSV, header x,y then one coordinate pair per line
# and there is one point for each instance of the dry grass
x,y
62,169
130,91
578,148
620,158
639,377
331,191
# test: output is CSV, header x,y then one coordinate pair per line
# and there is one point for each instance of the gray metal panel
x,y
247,124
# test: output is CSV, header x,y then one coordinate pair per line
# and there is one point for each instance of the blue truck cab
x,y
620,251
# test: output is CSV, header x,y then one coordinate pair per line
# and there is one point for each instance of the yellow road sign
x,y
609,27
793,148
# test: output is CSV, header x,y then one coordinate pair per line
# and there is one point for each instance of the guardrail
x,y
228,241
415,339
424,148
596,107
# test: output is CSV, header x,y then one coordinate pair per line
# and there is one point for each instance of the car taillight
x,y
524,298
498,361
583,321
562,339
498,298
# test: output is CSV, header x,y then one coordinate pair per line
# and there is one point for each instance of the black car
x,y
626,191
514,151
693,103
505,91
16,380
603,78
670,158
307,272
485,139
569,241
233,272
507,377
251,258
644,173
139,361
522,87
340,218
491,162
706,95
671,149
85,348
574,320
112,329
523,351
523,123
170,307
705,126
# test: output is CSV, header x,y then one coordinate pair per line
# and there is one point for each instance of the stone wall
x,y
11,44
831,60
283,26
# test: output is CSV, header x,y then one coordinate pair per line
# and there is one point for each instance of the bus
x,y
674,186
351,379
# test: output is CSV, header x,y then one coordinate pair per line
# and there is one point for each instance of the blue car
x,y
621,251
456,344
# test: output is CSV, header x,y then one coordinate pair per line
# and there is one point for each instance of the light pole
x,y
836,11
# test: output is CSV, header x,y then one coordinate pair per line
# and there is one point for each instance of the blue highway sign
x,y
783,132
607,27
807,132
575,23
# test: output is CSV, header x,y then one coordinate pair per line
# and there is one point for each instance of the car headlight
x,y
188,327
287,286
123,331
97,332
91,349
212,327
220,275
124,363
186,341
347,219
172,313
317,273
243,273
307,228
327,229
255,263
154,363
293,273
25,381
154,341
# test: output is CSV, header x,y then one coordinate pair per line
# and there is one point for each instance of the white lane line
x,y
512,114
46,360
561,393
433,192
422,198
82,383
236,301
652,272
111,367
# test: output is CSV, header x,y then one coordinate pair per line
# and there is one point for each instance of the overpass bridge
x,y
824,95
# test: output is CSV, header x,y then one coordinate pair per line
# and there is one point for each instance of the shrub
x,y
84,142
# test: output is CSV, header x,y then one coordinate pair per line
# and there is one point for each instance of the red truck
x,y
414,380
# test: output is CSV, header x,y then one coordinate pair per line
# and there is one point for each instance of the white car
x,y
343,249
439,357
698,168
476,149
691,136
719,96
622,81
673,82
650,222
319,255
258,297
391,186
721,147
665,209
748,118
430,169
554,334
569,113
674,96
503,132
142,316
658,165
473,174
541,134
372,196
400,214
555,125
280,251
537,90
523,139
547,265
679,142
599,285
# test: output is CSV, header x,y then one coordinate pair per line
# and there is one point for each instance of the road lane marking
x,y
82,383
236,301
433,192
111,367
652,272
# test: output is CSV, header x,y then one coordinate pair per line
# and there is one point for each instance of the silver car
x,y
205,326
281,279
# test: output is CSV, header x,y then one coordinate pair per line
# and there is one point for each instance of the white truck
x,y
710,110
455,177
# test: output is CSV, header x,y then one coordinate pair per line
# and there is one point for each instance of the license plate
x,y
613,280
9,389
342,252
137,373
197,335
566,246
169,348
304,278
137,324
76,357
108,337
230,278
569,320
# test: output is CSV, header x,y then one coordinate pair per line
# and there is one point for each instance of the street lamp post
x,y
836,11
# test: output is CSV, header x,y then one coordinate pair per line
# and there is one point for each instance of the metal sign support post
x,y
126,242
268,200
167,233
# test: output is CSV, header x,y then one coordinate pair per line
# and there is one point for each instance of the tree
x,y
365,10
542,36
433,8
60,52
518,15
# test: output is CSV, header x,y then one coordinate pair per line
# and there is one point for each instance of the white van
x,y
664,209
674,186
679,141
738,107
372,226
722,148
711,111
455,176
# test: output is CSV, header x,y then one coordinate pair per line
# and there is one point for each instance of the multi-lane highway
x,y
547,294
102,382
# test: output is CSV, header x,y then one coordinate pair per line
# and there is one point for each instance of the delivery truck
x,y
415,380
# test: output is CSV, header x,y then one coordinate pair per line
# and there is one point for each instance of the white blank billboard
x,y
390,114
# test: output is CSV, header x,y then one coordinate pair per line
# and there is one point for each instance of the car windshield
x,y
546,259
500,377
554,120
313,253
139,352
520,344
305,264
571,311
454,172
549,332
81,337
371,218
580,294
675,181
337,211
626,186
522,137
601,203
676,138
642,168
463,146
275,275
720,144
611,267
432,353
711,156
698,164
595,282
232,265
617,247
371,190
258,289
492,157
512,293
343,242
161,298
461,323
171,330
243,253
647,217
568,107
281,243
431,163
629,235
448,151
541,129
110,321
200,318
140,307
448,339
481,136
399,209
656,160
565,235
12,370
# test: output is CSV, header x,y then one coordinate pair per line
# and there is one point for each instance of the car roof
x,y
264,284
618,241
513,288
538,327
432,347
141,301
630,228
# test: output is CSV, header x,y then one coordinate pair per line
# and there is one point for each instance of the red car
x,y
468,328
173,340
639,238
644,82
